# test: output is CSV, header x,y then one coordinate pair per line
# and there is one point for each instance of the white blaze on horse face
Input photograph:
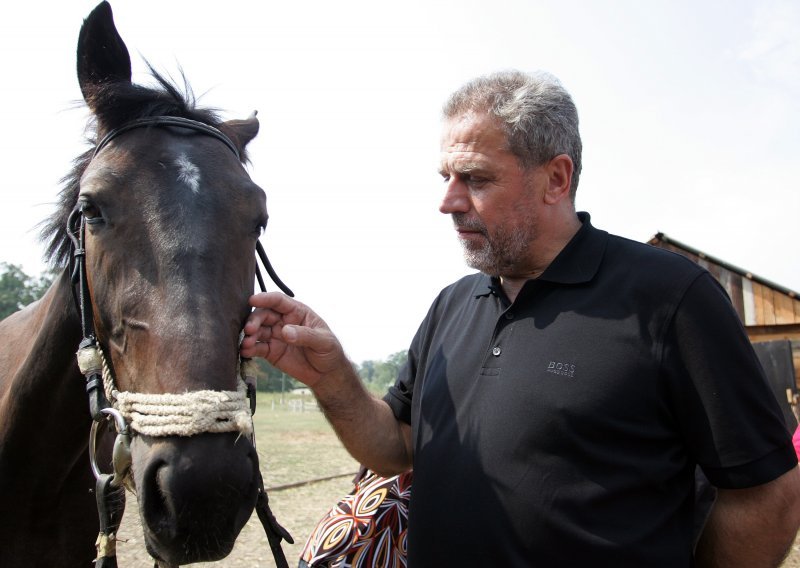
x,y
188,173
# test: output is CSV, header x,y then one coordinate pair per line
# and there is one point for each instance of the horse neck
x,y
43,409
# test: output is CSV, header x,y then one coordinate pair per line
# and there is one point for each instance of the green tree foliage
x,y
377,375
380,375
270,379
17,289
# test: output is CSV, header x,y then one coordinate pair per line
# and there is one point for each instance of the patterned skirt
x,y
366,528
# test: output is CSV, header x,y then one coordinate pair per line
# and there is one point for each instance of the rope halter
x,y
185,414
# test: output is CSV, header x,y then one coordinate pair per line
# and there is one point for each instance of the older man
x,y
556,404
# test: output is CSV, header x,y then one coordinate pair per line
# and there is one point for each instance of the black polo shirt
x,y
565,427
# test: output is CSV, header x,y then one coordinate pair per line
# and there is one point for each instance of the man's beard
x,y
502,251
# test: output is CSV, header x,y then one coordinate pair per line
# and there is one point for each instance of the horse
x,y
155,230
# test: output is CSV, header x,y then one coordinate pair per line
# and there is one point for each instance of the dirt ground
x,y
793,560
298,510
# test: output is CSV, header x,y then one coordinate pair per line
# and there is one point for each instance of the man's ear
x,y
559,176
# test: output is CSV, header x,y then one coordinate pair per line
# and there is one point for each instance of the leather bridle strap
x,y
168,121
76,229
262,255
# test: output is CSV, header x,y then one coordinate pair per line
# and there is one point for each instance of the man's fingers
x,y
290,336
320,341
260,318
276,301
255,350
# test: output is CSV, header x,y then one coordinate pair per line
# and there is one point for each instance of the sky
x,y
689,117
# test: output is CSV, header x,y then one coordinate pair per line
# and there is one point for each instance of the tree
x,y
379,375
376,375
270,379
17,289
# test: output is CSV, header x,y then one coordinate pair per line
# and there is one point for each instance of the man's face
x,y
491,198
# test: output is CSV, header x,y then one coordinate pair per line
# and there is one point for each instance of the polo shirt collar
x,y
577,262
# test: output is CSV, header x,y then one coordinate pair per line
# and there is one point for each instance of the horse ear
x,y
242,130
102,55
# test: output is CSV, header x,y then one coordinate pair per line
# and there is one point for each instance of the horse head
x,y
169,220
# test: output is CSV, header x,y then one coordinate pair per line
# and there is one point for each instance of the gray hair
x,y
537,113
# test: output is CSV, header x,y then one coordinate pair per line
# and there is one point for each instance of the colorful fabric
x,y
366,529
796,440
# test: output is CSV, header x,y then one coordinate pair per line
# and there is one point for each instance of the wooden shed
x,y
769,311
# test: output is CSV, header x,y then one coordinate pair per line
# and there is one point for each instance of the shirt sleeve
x,y
401,394
723,405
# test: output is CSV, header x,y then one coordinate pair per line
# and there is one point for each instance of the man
x,y
555,405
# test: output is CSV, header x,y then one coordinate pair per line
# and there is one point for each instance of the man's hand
x,y
292,338
297,341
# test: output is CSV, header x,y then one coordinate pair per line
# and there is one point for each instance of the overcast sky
x,y
689,117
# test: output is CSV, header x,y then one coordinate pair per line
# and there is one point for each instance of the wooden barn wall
x,y
767,314
756,303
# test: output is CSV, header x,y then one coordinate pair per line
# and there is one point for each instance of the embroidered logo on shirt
x,y
565,369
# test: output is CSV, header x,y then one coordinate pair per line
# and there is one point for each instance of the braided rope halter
x,y
157,415
185,414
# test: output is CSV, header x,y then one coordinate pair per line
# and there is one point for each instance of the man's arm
x,y
297,341
753,527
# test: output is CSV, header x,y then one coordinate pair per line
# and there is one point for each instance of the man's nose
x,y
456,197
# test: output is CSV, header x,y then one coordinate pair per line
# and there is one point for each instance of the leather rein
x,y
110,487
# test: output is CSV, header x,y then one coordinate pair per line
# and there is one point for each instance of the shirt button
x,y
509,315
496,351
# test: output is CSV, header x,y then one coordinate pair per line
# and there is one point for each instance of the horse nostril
x,y
156,507
193,507
162,488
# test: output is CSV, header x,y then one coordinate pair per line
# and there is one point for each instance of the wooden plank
x,y
693,257
784,308
758,300
725,277
737,294
672,248
768,297
749,298
715,269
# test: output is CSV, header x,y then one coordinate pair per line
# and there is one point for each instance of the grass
x,y
295,445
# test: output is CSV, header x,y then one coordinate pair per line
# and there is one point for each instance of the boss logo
x,y
558,368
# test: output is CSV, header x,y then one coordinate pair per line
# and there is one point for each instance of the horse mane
x,y
115,104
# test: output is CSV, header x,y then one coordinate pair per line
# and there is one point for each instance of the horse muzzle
x,y
195,493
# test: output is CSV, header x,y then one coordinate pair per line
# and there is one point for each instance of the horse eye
x,y
90,211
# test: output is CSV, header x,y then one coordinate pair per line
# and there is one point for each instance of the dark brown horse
x,y
169,220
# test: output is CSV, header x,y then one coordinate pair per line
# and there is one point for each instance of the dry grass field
x,y
293,446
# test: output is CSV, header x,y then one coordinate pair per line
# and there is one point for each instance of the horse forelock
x,y
115,104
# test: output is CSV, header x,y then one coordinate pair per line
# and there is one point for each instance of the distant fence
x,y
295,404
302,405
